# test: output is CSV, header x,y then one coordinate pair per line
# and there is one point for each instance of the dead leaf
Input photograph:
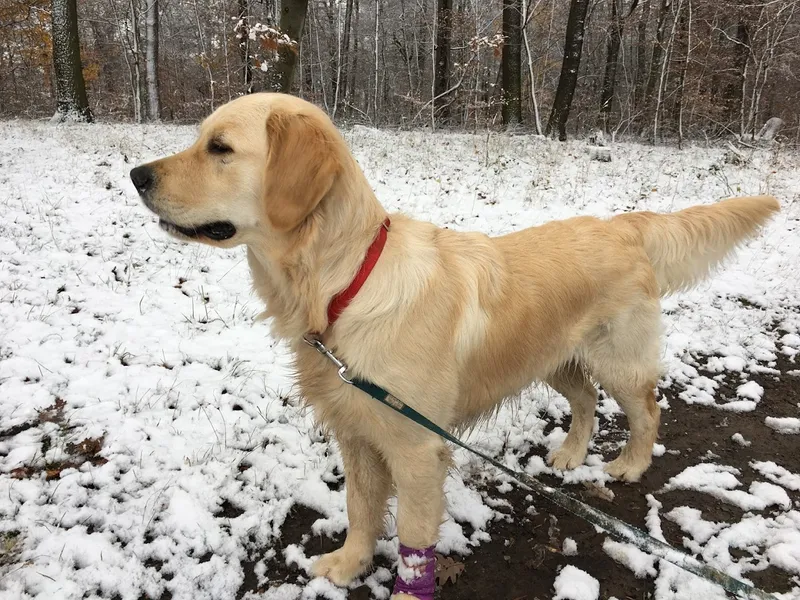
x,y
553,531
54,413
88,447
21,472
447,569
539,556
598,491
54,473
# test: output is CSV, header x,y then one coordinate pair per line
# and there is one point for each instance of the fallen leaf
x,y
447,569
598,491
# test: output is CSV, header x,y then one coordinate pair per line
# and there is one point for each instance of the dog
x,y
451,323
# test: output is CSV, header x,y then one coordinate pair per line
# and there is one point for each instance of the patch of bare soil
x,y
525,554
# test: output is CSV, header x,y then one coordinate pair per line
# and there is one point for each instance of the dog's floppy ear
x,y
302,164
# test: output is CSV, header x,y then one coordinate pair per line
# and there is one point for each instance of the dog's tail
x,y
685,246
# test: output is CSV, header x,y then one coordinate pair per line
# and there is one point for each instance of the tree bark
x,y
71,100
151,61
531,74
376,119
741,59
662,81
686,25
244,46
344,57
573,48
441,76
612,58
658,50
137,64
293,15
641,54
512,62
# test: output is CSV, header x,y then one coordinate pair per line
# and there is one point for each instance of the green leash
x,y
613,526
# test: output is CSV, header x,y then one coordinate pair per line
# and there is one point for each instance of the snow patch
x,y
573,584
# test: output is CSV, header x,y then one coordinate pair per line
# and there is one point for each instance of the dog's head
x,y
261,164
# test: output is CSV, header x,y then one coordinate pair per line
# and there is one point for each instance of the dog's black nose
x,y
143,178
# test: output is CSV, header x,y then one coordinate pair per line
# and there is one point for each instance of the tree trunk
x,y
151,61
658,49
71,100
293,15
441,76
512,62
662,85
686,25
137,64
244,46
354,71
573,48
612,58
531,74
376,120
741,59
641,55
344,56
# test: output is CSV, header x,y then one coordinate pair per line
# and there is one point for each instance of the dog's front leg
x,y
418,470
368,484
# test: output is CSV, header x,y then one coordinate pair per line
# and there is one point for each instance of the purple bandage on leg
x,y
416,572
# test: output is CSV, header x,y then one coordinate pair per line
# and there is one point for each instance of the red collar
x,y
340,301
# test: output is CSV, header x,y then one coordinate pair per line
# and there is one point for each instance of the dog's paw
x,y
566,458
341,566
625,469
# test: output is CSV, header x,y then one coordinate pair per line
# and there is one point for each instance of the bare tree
x,y
664,71
376,117
136,53
71,102
686,28
527,14
441,57
658,50
151,60
344,60
243,35
293,16
641,54
729,66
612,58
512,62
573,48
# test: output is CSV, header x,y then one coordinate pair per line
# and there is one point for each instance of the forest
x,y
657,70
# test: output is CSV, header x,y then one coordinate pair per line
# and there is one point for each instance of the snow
x,y
751,390
642,565
739,439
570,547
573,584
154,346
785,425
720,481
778,474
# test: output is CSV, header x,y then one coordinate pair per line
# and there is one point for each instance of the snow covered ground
x,y
150,440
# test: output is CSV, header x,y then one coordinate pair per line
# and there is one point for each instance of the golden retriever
x,y
451,323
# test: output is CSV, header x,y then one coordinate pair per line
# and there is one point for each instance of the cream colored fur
x,y
452,323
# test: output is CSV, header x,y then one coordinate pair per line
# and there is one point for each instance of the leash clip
x,y
316,343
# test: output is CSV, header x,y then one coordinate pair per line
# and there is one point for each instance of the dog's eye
x,y
218,147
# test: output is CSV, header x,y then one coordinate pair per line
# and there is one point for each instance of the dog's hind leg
x,y
368,487
572,382
643,419
624,359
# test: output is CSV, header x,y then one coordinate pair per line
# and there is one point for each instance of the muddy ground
x,y
524,556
